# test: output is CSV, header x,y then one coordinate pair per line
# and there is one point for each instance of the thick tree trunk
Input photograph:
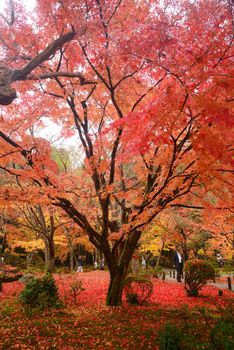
x,y
7,93
115,290
49,255
119,269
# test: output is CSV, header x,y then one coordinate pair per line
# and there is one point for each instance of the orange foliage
x,y
147,90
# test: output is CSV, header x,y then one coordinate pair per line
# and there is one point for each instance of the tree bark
x,y
7,93
49,255
7,75
115,290
118,267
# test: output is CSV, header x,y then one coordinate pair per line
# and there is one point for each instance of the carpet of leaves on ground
x,y
92,325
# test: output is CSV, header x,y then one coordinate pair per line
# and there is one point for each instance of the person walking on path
x,y
80,264
219,259
143,263
102,264
178,264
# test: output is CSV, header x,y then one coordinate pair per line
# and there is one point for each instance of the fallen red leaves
x,y
92,325
170,294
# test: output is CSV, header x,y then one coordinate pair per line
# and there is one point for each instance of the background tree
x,y
4,220
222,234
74,243
158,237
189,233
33,228
42,222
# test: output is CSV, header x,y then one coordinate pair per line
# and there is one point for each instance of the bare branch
x,y
179,205
130,75
113,13
7,76
12,15
52,75
12,7
142,96
21,74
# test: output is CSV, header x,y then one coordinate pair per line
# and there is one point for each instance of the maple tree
x,y
222,240
194,232
44,224
158,237
44,228
201,232
73,243
188,232
32,228
146,88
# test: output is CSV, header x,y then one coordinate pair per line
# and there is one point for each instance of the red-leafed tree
x,y
146,87
220,224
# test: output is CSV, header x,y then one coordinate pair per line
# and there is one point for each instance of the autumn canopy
x,y
145,91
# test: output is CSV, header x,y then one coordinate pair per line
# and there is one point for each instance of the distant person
x,y
153,262
102,264
95,264
143,263
80,264
178,264
219,259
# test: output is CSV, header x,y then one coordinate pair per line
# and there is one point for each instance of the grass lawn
x,y
89,324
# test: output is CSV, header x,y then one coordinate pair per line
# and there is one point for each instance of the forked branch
x,y
8,76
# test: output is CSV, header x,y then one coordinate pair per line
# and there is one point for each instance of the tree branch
x,y
12,15
22,73
7,76
52,75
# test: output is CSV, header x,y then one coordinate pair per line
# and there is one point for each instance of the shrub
x,y
138,289
75,289
200,329
169,338
222,335
40,293
197,273
132,299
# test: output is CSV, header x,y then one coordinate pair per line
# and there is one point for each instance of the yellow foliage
x,y
28,246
